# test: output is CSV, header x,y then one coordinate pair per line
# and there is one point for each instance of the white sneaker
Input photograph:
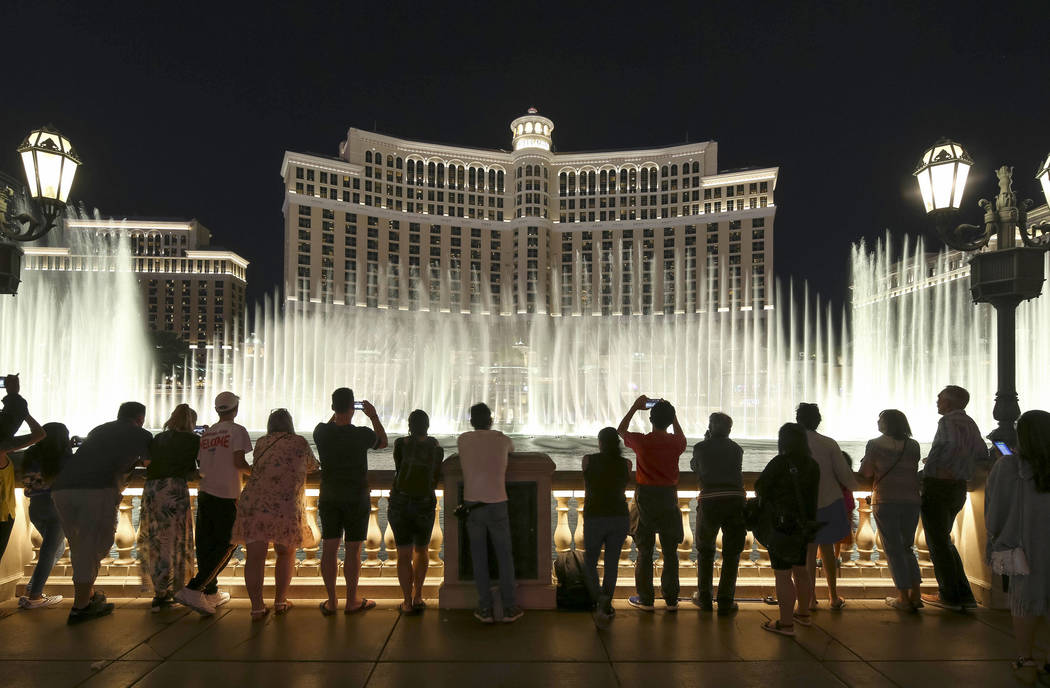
x,y
195,600
217,599
45,601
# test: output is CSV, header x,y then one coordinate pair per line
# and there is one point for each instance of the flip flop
x,y
773,626
260,614
838,605
280,608
419,606
803,619
411,611
363,607
325,610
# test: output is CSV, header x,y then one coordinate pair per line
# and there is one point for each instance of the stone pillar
x,y
389,544
865,535
685,548
529,491
562,534
372,566
577,534
310,565
126,535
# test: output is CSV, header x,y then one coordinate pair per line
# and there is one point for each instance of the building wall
x,y
394,223
186,288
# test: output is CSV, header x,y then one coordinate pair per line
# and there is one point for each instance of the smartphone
x,y
651,403
3,383
200,429
76,440
359,405
1003,449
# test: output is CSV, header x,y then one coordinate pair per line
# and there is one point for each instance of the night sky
x,y
185,113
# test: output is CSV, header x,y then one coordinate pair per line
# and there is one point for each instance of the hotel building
x,y
188,287
401,224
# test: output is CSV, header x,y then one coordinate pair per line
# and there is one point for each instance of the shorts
x,y
89,520
411,519
345,519
836,524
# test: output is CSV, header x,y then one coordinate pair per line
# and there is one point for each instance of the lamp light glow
x,y
50,164
942,174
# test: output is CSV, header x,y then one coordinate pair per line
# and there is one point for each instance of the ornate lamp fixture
x,y
50,166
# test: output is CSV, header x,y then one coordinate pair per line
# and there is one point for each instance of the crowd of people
x,y
803,507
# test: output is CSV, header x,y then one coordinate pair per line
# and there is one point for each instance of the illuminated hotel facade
x,y
400,224
188,288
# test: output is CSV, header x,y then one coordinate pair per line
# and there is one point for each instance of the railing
x,y
864,559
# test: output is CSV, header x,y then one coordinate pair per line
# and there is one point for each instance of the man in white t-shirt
x,y
222,462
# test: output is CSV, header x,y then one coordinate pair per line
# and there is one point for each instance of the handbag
x,y
1013,561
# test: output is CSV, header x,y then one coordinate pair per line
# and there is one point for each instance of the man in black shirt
x,y
344,504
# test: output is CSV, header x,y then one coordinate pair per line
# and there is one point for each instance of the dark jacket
x,y
718,462
776,487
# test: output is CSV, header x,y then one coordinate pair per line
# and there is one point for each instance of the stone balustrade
x,y
864,571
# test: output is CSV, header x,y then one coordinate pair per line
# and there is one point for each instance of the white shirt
x,y
219,475
483,457
834,471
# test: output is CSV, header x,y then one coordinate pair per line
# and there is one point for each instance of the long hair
x,y
609,443
792,440
896,424
182,419
1033,435
279,421
49,451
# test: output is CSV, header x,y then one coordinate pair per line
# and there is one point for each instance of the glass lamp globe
x,y
50,164
941,174
1044,178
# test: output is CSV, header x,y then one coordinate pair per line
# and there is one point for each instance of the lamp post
x,y
28,214
1004,276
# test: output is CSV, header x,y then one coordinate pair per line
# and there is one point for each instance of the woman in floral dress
x,y
165,541
270,509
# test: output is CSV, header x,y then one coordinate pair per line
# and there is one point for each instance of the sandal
x,y
410,610
838,604
895,603
803,619
363,607
419,606
325,610
774,626
260,614
280,608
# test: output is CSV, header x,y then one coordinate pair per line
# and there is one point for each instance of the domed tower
x,y
531,175
532,131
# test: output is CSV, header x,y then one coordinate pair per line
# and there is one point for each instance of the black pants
x,y
941,502
714,514
6,526
215,517
658,514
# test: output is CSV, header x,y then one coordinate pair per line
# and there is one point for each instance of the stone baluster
x,y
35,539
437,538
562,535
625,564
124,538
749,546
577,534
880,548
373,541
763,556
922,550
389,544
310,565
685,548
865,535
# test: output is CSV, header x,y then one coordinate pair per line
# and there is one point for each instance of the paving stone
x,y
503,674
947,673
119,674
791,674
173,674
54,674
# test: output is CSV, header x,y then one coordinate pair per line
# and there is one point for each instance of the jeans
x,y
897,523
725,514
610,531
658,514
941,502
215,517
44,517
485,522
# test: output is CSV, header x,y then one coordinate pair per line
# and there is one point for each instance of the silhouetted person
x,y
957,447
606,521
15,409
789,485
892,462
483,455
223,448
835,475
344,505
656,497
718,462
42,464
87,495
8,503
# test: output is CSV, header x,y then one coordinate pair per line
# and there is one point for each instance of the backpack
x,y
572,592
416,476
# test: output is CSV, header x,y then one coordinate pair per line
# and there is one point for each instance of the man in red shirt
x,y
657,499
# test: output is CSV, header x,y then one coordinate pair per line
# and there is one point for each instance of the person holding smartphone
x,y
658,453
344,504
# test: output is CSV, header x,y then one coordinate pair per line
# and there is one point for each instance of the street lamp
x,y
1004,276
28,214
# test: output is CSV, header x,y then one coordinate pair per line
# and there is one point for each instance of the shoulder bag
x,y
1013,561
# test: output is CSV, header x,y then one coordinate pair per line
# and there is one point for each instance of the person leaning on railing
x,y
87,495
42,464
411,506
165,540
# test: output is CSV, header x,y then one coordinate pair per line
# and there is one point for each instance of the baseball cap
x,y
226,401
